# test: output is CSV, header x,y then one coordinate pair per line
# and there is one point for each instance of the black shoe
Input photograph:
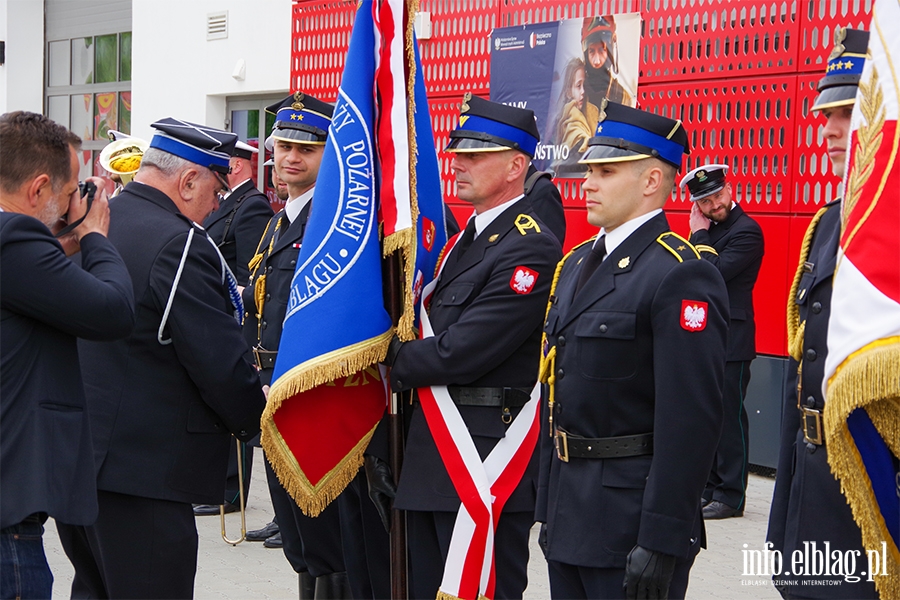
x,y
205,510
704,502
261,535
720,510
334,586
274,541
307,586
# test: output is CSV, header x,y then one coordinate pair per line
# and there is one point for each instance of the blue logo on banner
x,y
354,216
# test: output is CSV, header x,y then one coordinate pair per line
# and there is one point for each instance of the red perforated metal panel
x,y
704,39
818,21
444,115
320,34
457,58
813,183
744,123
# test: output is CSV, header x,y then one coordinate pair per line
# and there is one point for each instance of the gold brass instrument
x,y
243,501
123,156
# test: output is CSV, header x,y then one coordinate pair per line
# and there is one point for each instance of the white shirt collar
x,y
621,233
225,197
295,206
484,219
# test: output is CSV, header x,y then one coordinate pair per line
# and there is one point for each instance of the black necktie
x,y
591,263
466,240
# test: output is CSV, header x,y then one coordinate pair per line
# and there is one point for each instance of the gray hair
x,y
169,164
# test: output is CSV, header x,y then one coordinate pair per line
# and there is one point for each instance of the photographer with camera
x,y
46,302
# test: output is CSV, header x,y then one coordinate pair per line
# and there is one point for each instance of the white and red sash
x,y
483,487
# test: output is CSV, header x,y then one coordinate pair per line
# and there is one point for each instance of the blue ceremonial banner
x,y
336,327
432,230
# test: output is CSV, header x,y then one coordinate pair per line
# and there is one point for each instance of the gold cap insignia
x,y
603,105
624,262
701,175
298,104
465,103
839,35
494,237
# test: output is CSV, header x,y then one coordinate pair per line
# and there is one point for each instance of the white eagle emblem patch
x,y
693,315
523,279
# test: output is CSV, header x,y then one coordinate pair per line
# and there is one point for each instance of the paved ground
x,y
251,571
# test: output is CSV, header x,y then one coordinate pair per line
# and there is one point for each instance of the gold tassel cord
x,y
868,379
795,328
547,368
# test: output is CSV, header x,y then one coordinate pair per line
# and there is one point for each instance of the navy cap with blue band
x,y
845,67
486,126
625,133
301,119
205,146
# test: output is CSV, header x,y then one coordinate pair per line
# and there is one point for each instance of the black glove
x,y
648,574
392,352
381,488
542,539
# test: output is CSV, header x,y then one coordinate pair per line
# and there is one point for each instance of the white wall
x,y
22,77
176,72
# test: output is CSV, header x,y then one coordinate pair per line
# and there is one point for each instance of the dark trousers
x,y
728,480
24,572
428,540
571,581
232,483
310,544
138,548
367,546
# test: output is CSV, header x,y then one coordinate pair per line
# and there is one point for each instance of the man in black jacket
x,y
731,240
808,508
164,402
236,227
635,358
46,302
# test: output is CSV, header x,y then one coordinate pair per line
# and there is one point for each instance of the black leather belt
x,y
265,359
503,397
572,446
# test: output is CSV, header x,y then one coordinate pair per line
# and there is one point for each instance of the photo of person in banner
x,y
598,43
577,116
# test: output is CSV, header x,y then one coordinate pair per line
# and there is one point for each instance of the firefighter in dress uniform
x,y
635,339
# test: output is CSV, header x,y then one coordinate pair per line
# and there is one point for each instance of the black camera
x,y
87,188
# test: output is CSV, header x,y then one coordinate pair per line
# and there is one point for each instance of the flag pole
x,y
395,433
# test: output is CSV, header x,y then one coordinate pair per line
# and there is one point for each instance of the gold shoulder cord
x,y
259,283
547,372
795,328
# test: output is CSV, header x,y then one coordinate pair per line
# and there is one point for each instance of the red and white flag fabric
x,y
862,369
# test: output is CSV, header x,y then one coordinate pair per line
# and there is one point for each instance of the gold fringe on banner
x,y
312,499
325,369
795,328
869,379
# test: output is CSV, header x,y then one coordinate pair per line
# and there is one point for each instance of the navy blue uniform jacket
x,y
485,335
162,414
739,247
808,505
626,365
46,302
265,328
249,211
